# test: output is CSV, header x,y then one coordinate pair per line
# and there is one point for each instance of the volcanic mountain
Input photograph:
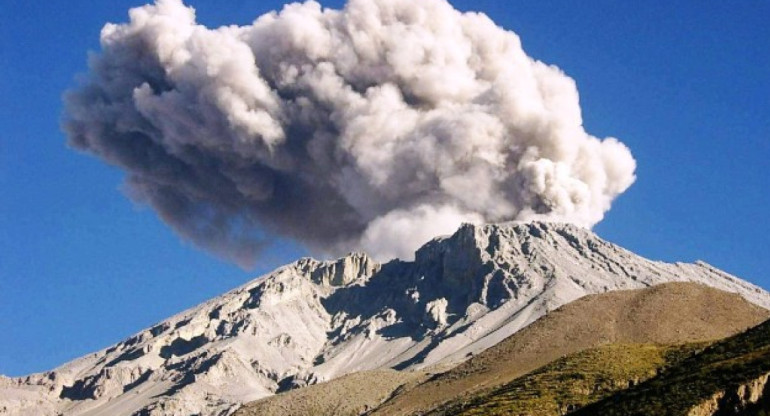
x,y
313,321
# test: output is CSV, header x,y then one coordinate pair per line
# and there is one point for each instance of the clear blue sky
x,y
686,85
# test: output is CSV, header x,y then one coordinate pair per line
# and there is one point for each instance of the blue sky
x,y
685,85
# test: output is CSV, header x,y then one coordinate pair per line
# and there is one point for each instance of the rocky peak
x,y
476,240
473,251
341,272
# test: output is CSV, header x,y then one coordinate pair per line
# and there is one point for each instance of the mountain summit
x,y
313,321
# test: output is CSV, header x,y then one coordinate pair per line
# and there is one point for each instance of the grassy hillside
x,y
727,377
722,380
574,381
673,313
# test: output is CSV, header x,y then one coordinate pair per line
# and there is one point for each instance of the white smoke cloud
x,y
376,126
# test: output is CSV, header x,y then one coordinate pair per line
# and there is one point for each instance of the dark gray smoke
x,y
374,127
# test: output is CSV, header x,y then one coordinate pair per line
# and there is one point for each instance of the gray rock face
x,y
312,321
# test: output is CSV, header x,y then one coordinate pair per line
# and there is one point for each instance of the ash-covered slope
x,y
312,321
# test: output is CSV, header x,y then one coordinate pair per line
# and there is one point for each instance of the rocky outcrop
x,y
744,399
351,268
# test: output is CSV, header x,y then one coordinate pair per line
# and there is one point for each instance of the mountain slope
x,y
312,321
670,313
573,381
729,377
682,312
725,377
350,395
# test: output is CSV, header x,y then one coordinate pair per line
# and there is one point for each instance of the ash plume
x,y
373,127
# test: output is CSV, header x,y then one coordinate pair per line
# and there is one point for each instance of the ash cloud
x,y
373,127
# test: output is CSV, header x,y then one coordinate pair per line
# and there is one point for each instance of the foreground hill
x,y
725,377
314,321
729,377
350,395
574,381
666,314
670,313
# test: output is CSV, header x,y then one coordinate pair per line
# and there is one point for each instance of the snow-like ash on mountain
x,y
377,126
312,321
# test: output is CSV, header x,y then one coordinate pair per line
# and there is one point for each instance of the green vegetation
x,y
574,381
722,367
639,380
